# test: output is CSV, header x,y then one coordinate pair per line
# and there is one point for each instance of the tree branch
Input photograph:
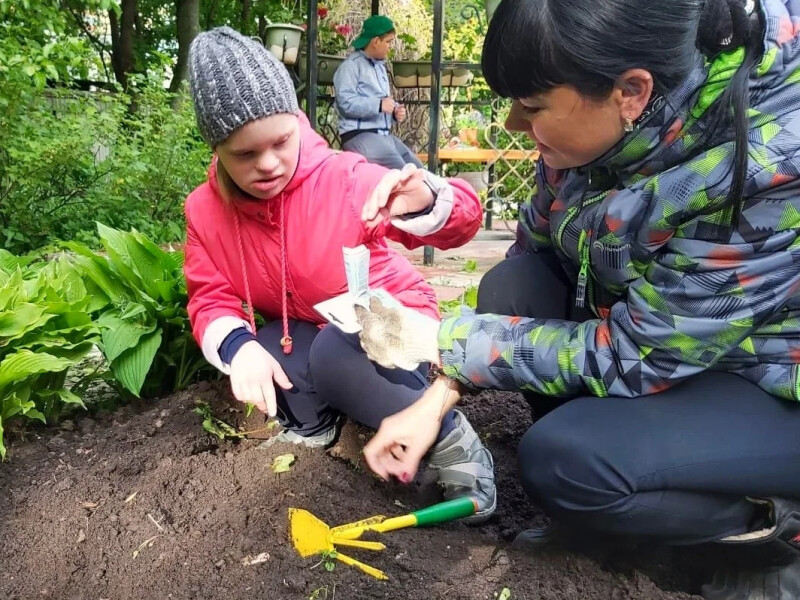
x,y
95,41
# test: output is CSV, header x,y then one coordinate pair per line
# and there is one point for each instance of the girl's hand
x,y
398,193
253,371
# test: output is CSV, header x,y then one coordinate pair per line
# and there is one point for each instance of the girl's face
x,y
571,130
261,157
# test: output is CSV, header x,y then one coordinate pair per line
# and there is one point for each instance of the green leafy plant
x,y
45,329
215,426
146,334
223,430
468,298
471,266
327,560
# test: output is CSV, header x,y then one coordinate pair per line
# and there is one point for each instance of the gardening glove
x,y
397,338
253,371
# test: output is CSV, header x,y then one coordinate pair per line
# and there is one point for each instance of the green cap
x,y
374,26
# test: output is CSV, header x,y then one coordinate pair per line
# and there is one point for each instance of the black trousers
x,y
332,375
675,467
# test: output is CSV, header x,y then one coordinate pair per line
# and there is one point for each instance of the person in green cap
x,y
364,101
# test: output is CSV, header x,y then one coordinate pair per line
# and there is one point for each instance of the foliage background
x,y
98,138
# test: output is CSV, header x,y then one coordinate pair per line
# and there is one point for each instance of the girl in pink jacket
x,y
266,233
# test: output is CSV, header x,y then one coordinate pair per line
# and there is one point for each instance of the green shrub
x,y
45,329
70,159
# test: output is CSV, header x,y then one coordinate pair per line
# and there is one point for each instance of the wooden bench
x,y
480,155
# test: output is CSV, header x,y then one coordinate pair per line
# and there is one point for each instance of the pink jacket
x,y
321,210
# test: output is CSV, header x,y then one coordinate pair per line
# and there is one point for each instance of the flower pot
x,y
416,73
469,135
326,67
478,180
283,40
491,6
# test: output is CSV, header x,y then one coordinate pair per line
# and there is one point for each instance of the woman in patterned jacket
x,y
653,286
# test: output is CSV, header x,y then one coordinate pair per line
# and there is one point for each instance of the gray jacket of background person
x,y
361,83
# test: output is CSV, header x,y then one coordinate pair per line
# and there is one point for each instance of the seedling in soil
x,y
321,593
328,561
223,430
505,594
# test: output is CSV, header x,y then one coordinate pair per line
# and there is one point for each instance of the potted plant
x,y
333,40
283,40
418,73
469,124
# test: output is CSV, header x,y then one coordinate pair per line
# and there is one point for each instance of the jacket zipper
x,y
583,274
584,246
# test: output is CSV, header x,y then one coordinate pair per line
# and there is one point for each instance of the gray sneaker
x,y
465,468
322,440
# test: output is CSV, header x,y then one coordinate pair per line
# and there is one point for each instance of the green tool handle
x,y
446,511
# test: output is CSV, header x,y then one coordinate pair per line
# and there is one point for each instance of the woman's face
x,y
571,130
261,157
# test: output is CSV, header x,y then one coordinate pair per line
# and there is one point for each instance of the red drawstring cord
x,y
286,340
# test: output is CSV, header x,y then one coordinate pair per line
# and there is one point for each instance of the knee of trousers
x,y
498,292
328,358
572,477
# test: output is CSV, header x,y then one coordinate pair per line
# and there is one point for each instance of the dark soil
x,y
142,503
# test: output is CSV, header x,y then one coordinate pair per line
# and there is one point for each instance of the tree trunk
x,y
245,27
188,23
123,34
209,14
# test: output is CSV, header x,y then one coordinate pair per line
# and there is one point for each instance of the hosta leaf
x,y
74,352
22,364
15,404
99,272
64,395
10,291
120,335
131,367
116,245
23,318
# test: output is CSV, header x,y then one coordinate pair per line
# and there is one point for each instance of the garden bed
x,y
142,503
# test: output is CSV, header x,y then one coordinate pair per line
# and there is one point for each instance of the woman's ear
x,y
633,91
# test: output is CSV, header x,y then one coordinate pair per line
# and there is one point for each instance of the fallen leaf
x,y
505,594
131,497
81,536
283,463
255,560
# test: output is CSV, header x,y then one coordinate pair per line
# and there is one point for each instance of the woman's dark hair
x,y
534,45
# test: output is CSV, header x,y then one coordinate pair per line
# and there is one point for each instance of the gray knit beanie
x,y
234,80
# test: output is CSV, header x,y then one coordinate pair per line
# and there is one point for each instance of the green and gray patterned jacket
x,y
646,233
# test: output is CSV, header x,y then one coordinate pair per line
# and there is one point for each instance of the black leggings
x,y
674,466
332,376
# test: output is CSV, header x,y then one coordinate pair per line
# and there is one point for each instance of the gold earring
x,y
628,124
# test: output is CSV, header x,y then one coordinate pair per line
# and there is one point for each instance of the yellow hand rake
x,y
312,536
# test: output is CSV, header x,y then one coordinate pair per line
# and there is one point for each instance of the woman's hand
x,y
397,337
398,193
253,371
405,437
